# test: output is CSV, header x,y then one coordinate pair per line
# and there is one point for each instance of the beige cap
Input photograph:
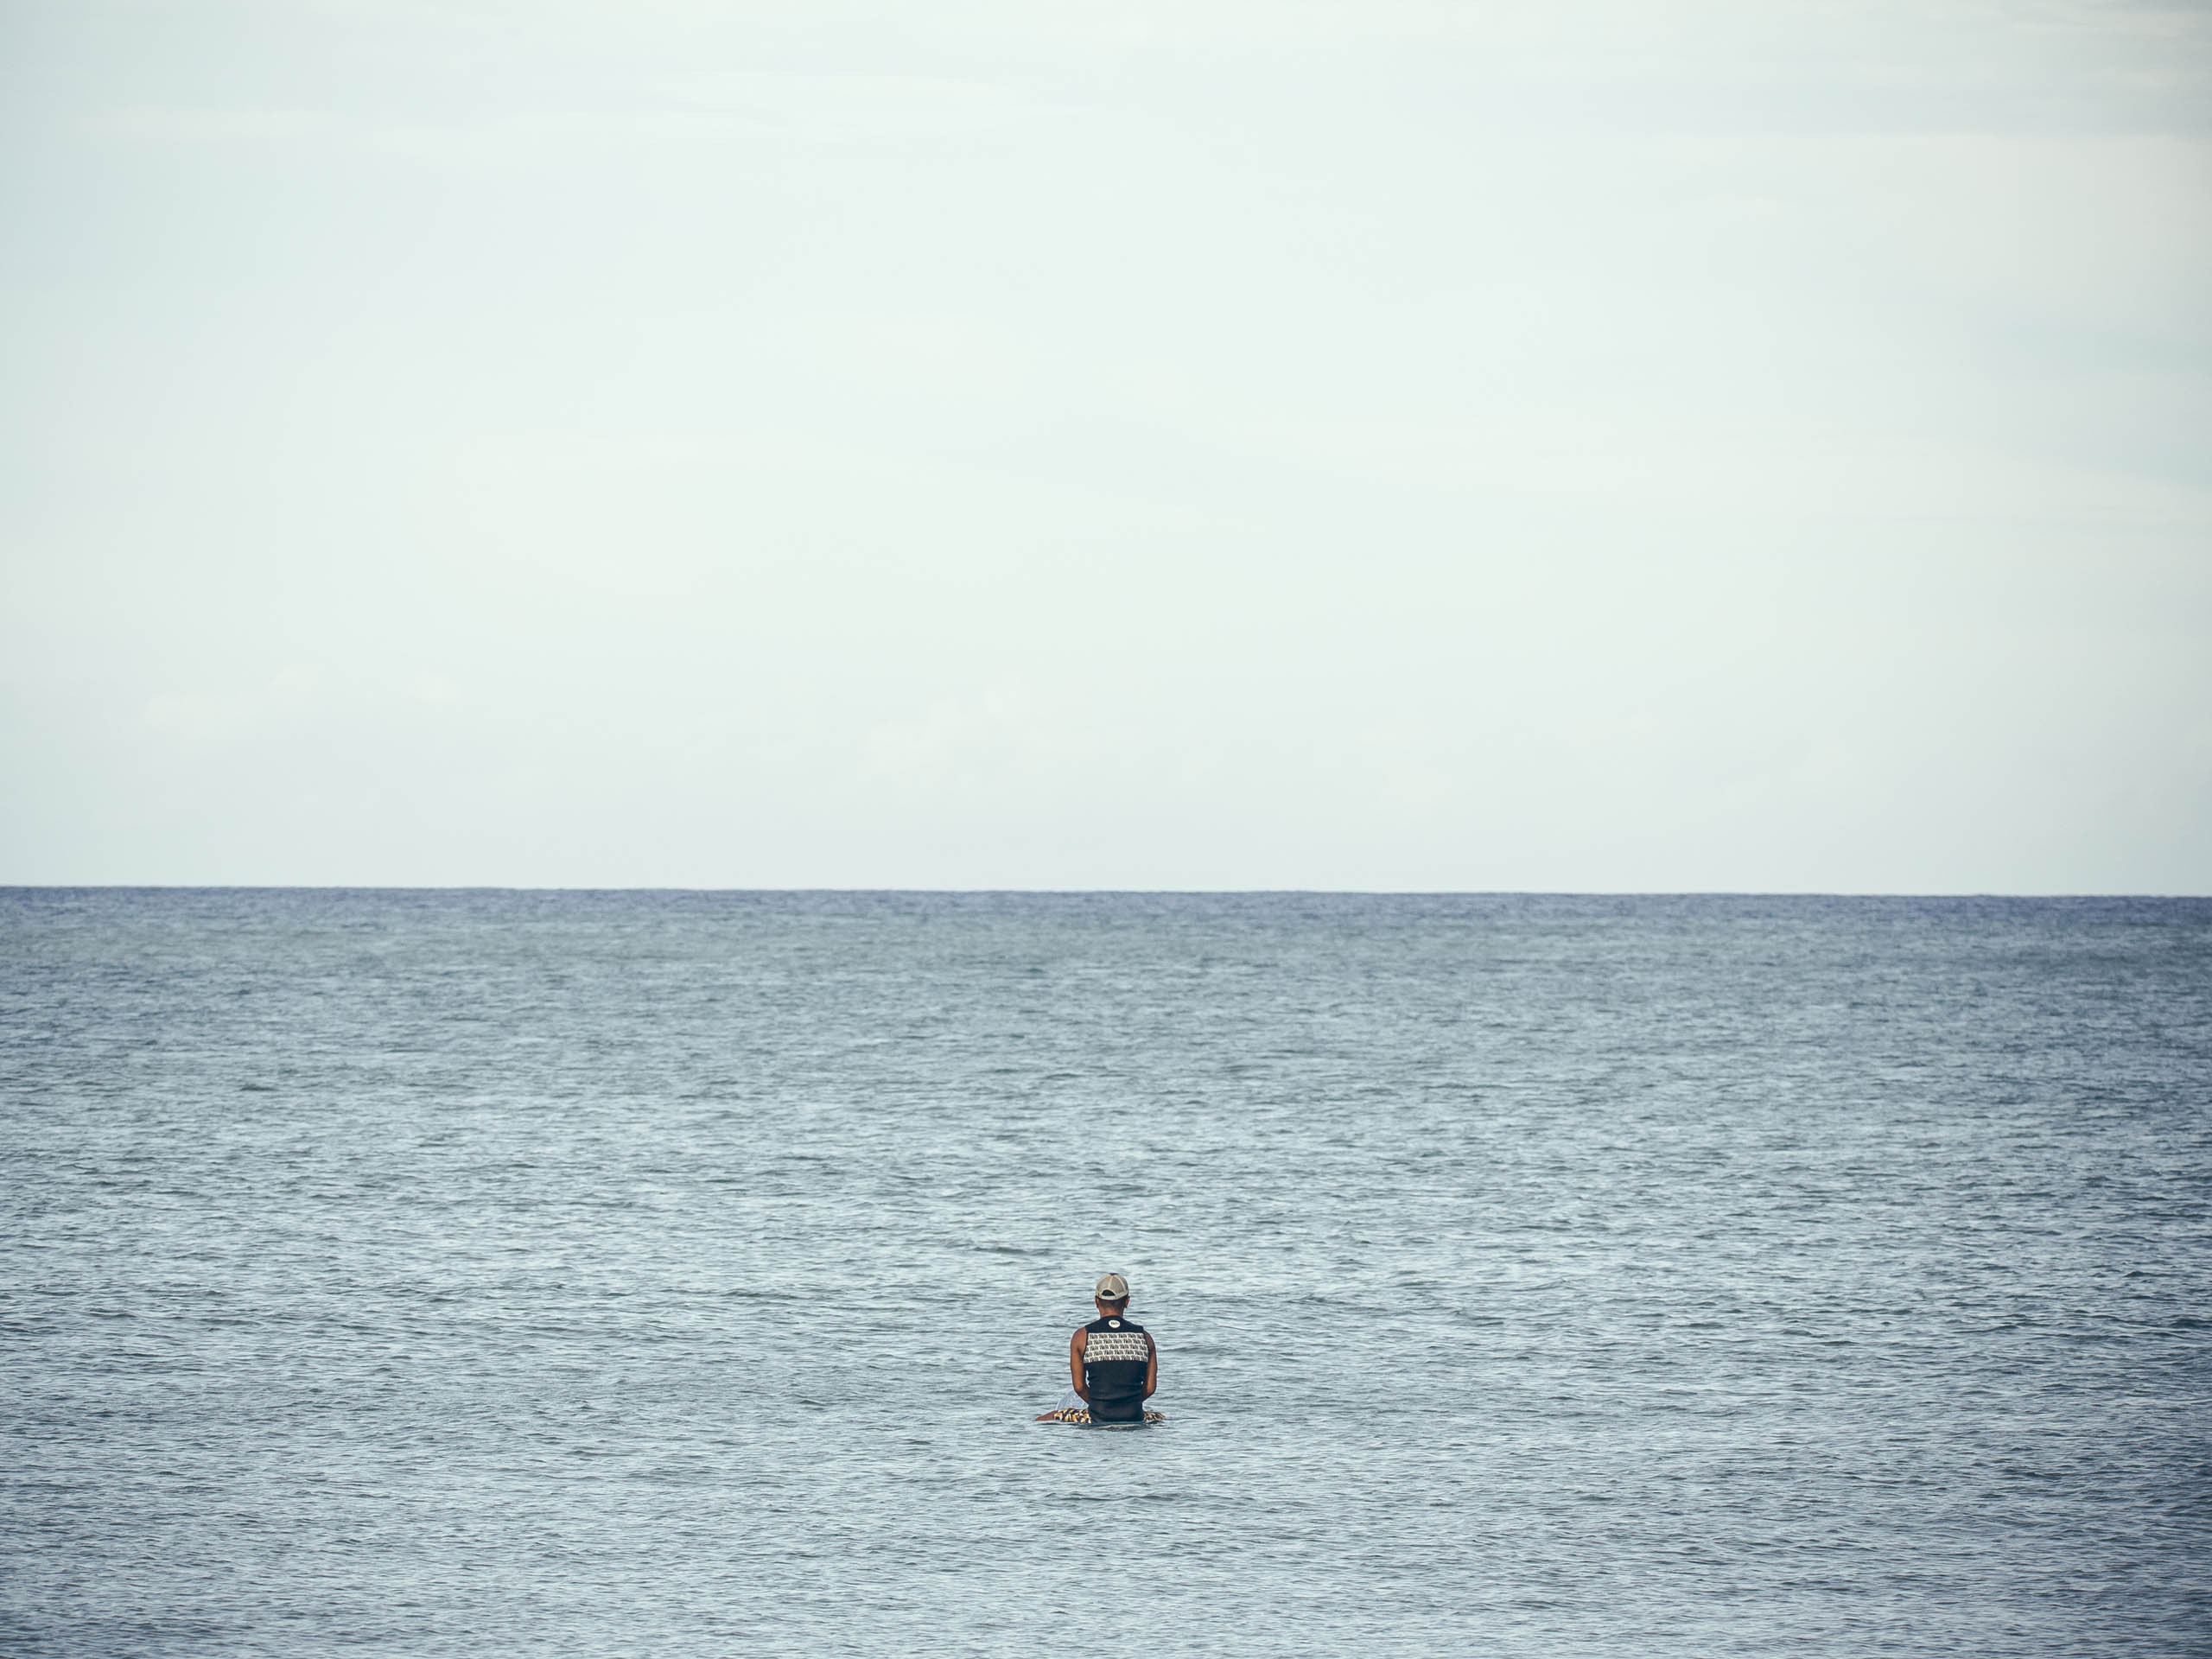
x,y
1112,1288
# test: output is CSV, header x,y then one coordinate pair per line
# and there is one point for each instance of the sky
x,y
1392,445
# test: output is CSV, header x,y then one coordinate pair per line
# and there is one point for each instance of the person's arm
x,y
1151,1365
1077,1343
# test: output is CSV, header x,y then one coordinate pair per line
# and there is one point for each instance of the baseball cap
x,y
1112,1288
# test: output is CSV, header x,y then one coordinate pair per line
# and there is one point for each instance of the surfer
x,y
1113,1363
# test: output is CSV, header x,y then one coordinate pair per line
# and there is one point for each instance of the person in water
x,y
1113,1363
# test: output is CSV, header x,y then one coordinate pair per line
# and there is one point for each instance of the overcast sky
x,y
1018,443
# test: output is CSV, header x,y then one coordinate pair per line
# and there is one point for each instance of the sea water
x,y
678,1273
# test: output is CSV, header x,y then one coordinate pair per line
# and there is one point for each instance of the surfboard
x,y
1079,1418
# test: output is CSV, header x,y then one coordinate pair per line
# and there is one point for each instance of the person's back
x,y
1117,1366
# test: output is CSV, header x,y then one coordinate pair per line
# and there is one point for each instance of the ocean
x,y
388,1272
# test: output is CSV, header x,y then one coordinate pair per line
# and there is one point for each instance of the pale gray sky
x,y
1679,446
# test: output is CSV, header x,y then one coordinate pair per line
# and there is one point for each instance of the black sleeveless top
x,y
1116,1358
